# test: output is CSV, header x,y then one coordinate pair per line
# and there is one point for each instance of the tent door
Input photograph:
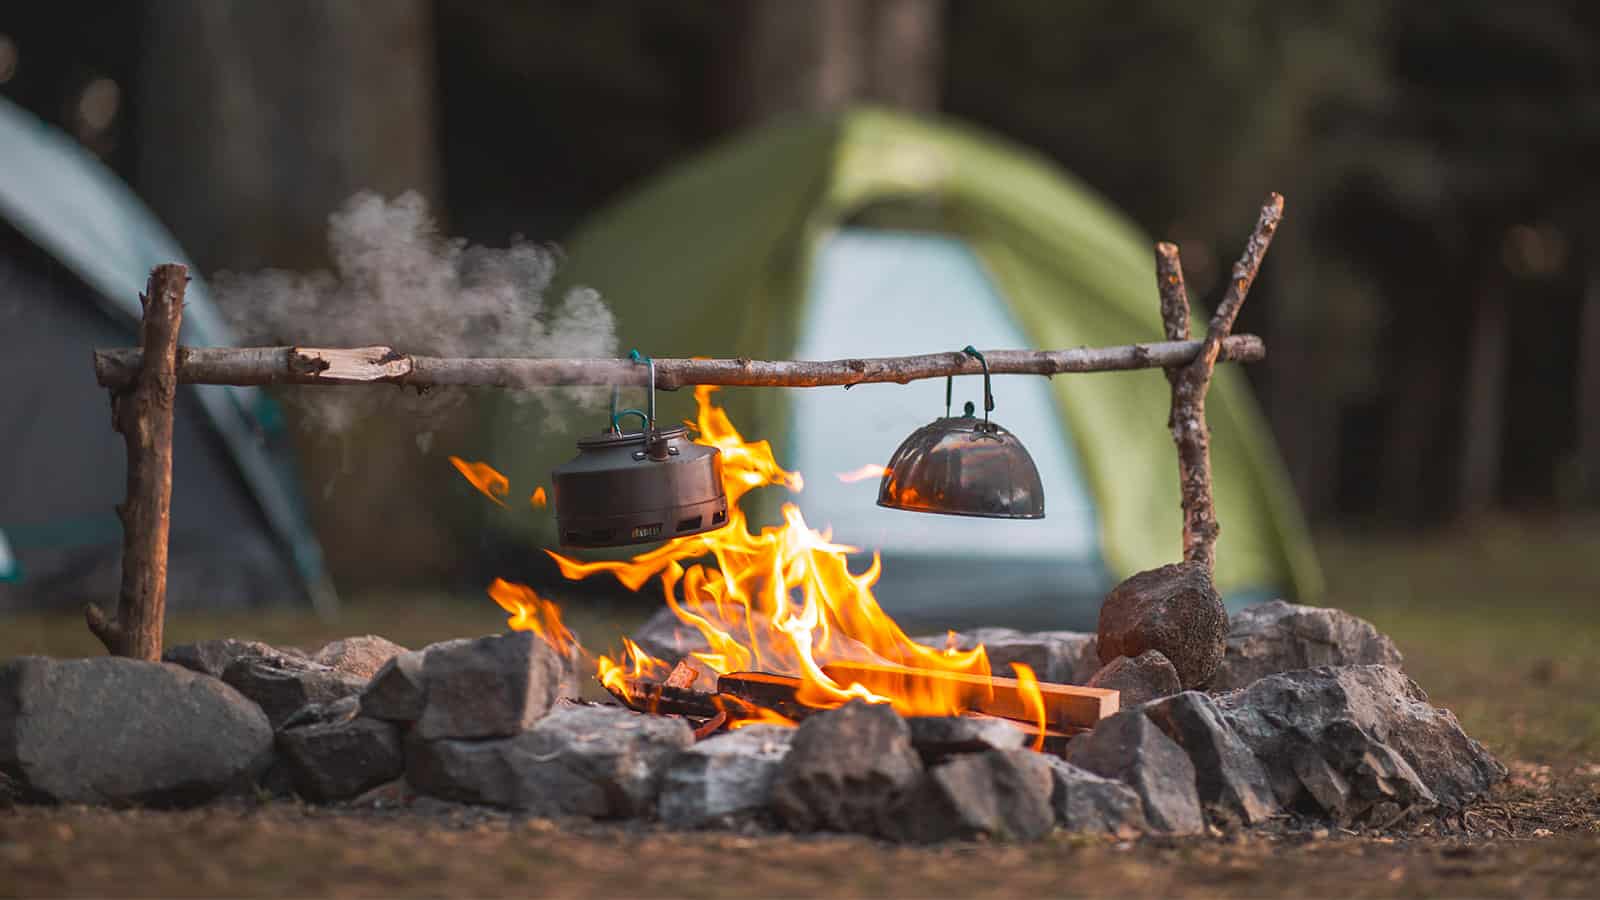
x,y
886,293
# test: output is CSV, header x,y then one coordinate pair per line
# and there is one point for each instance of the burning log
x,y
1065,706
116,369
662,699
778,693
141,409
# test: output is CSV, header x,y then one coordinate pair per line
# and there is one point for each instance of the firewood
x,y
1065,705
660,699
774,692
1055,738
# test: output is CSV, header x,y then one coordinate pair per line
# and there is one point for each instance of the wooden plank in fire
x,y
1065,705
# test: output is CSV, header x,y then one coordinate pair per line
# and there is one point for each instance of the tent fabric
x,y
714,258
926,290
67,206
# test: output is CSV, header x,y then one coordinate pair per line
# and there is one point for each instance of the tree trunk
x,y
1483,407
824,55
1587,412
905,58
1413,416
261,118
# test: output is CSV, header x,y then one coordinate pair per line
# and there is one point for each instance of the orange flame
x,y
483,477
870,470
531,612
537,499
781,600
1032,699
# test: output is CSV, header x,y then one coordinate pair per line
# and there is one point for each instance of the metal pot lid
x,y
615,438
963,466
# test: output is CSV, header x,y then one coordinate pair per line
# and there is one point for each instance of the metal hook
x,y
634,355
988,394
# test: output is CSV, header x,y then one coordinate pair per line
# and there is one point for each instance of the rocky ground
x,y
1535,832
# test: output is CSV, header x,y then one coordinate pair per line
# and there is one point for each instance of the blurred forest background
x,y
1433,310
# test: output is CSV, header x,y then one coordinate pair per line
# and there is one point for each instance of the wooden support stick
x,y
117,369
1191,382
142,412
1065,705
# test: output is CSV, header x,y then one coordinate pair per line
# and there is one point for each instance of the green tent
x,y
873,233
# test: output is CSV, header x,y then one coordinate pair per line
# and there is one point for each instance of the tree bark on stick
x,y
1191,382
143,413
117,369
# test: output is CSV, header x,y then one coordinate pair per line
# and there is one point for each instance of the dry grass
x,y
1502,625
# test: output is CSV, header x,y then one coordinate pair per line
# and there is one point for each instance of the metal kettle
x,y
638,487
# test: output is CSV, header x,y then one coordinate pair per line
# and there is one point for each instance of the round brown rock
x,y
1173,609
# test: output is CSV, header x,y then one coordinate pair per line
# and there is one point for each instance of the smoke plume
x,y
397,282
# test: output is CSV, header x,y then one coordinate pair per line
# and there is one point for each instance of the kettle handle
x,y
649,417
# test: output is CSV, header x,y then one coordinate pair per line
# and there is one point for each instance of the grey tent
x,y
75,249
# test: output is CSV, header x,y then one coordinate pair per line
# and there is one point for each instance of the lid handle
x,y
988,395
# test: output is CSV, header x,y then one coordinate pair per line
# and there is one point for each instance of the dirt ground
x,y
1500,625
282,849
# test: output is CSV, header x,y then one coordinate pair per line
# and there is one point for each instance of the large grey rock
x,y
212,657
1228,777
359,656
1281,637
1000,794
494,686
938,737
847,769
1084,801
281,685
599,761
1138,679
1174,609
396,693
119,731
1130,748
724,777
1360,743
339,754
1062,657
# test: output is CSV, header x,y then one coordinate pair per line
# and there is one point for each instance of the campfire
x,y
797,702
789,629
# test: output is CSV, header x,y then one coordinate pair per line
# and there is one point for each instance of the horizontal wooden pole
x,y
1065,705
117,368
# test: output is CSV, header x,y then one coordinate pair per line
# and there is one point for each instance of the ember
x,y
483,477
790,628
